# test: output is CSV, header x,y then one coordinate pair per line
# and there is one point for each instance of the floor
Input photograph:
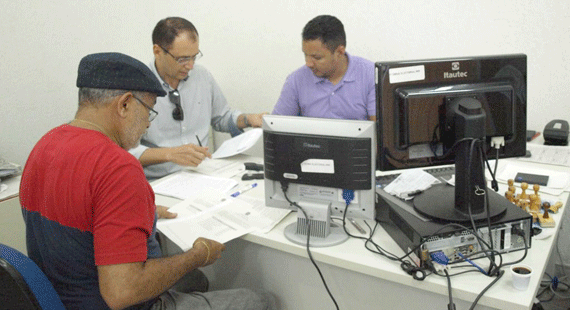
x,y
559,300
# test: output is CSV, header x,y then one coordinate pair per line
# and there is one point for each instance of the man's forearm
x,y
158,275
124,285
153,156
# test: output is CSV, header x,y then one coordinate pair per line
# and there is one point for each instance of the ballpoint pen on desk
x,y
355,224
243,190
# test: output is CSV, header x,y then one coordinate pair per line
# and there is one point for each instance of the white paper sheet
x,y
238,144
275,215
548,154
557,181
409,182
184,185
217,219
224,168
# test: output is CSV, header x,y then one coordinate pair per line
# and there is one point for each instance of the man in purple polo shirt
x,y
332,84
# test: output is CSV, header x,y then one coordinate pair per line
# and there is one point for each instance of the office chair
x,y
23,285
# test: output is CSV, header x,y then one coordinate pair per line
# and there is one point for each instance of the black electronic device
x,y
556,132
324,166
253,176
423,236
253,166
531,178
452,111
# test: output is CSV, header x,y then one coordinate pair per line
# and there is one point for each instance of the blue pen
x,y
243,190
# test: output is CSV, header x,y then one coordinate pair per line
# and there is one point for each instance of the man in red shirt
x,y
90,212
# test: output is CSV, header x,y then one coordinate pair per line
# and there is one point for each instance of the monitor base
x,y
438,202
336,236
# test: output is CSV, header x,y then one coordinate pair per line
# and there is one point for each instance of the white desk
x,y
359,279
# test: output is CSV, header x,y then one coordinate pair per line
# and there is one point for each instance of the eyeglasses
x,y
151,112
184,60
174,97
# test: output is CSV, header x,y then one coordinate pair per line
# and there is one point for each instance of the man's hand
x,y
211,250
126,284
250,120
255,120
188,155
163,213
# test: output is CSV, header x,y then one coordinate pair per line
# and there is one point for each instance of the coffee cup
x,y
521,276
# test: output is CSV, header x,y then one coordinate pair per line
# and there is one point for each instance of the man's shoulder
x,y
360,69
361,62
302,75
95,145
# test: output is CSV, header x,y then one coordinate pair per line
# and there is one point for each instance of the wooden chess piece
x,y
524,187
545,214
525,205
556,206
510,196
510,182
545,219
517,201
536,187
534,203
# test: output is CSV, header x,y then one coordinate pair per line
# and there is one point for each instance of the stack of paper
x,y
224,168
185,185
8,169
220,219
410,182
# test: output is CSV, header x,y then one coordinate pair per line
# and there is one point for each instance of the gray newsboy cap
x,y
117,71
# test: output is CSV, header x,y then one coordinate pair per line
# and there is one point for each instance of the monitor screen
x,y
316,162
452,111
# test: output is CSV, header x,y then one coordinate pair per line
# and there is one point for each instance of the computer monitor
x,y
441,111
313,162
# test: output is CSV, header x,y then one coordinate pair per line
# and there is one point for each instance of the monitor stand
x,y
438,202
467,200
323,232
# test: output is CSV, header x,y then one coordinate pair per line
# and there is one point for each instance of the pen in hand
x,y
199,143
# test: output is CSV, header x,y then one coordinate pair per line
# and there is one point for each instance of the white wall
x,y
251,46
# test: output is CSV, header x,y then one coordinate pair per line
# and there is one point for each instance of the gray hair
x,y
101,96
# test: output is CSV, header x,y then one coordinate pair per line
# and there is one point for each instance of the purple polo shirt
x,y
354,97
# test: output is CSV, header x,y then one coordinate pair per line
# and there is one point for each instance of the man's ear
x,y
341,49
124,104
156,50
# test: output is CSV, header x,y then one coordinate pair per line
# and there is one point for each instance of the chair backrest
x,y
23,285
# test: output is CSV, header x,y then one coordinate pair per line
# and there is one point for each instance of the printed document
x,y
410,182
186,184
238,144
548,154
217,219
224,168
